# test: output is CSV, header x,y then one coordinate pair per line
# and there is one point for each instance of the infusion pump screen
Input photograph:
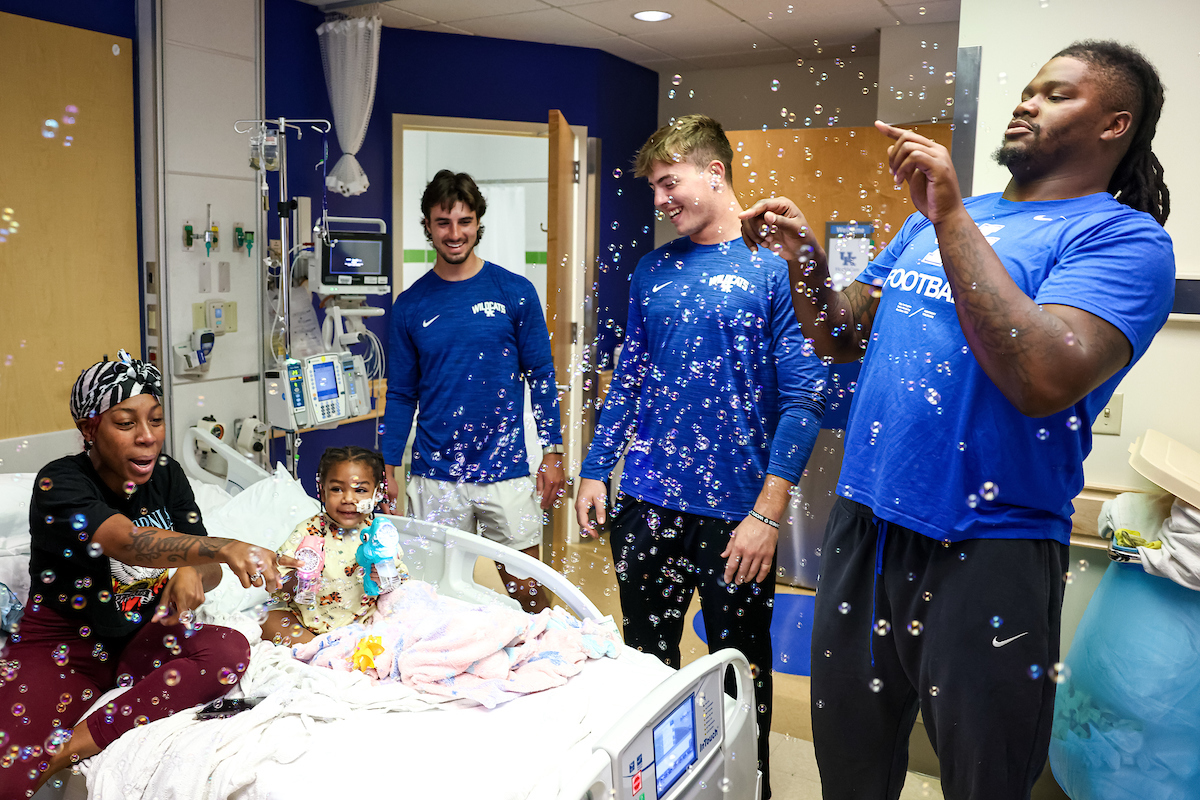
x,y
325,378
675,745
356,257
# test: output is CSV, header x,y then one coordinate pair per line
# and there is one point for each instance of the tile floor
x,y
793,764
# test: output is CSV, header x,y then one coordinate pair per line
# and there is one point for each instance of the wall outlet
x,y
1108,421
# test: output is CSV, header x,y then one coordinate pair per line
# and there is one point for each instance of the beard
x,y
1019,157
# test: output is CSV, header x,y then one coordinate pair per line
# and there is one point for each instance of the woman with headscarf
x,y
103,610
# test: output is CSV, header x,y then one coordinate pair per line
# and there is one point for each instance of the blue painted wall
x,y
468,76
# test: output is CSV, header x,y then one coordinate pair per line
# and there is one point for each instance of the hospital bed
x,y
623,729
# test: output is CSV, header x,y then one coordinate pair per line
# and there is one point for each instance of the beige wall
x,y
1017,38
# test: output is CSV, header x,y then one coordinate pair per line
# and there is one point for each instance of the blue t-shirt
x,y
713,387
461,350
932,444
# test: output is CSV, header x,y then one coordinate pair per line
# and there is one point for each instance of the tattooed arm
x,y
1044,359
837,323
154,547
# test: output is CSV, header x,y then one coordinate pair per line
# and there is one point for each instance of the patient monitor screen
x,y
675,745
325,378
356,257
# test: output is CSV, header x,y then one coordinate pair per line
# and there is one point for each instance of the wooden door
x,y
560,257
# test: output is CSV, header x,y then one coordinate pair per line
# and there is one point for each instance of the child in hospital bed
x,y
332,594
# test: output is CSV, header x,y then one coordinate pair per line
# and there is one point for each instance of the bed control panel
x,y
679,741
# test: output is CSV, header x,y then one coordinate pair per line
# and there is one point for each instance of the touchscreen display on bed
x,y
675,745
326,381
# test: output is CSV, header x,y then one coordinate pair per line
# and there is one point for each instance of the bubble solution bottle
x,y
311,555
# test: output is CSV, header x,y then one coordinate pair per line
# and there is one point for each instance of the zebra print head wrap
x,y
104,385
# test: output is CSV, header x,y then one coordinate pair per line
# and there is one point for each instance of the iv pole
x,y
285,209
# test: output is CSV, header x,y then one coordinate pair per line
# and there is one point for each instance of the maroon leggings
x,y
60,669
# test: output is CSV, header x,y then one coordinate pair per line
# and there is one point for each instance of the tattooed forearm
x,y
838,323
1042,359
153,547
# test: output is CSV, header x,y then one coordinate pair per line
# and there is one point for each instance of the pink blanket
x,y
488,654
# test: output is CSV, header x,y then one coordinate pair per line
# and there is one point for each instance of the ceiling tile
x,y
617,15
396,18
938,11
776,11
454,10
689,44
548,25
439,27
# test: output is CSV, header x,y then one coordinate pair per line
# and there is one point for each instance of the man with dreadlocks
x,y
994,331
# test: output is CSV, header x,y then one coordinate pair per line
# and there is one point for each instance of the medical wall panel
x,y
210,80
68,215
206,92
226,26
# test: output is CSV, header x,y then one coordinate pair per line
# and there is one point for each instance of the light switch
x,y
1108,421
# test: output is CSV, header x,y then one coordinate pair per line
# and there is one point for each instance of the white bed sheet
x,y
327,734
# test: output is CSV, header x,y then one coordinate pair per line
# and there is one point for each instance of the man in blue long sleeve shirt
x,y
720,406
463,340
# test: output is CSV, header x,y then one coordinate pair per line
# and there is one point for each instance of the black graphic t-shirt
x,y
70,573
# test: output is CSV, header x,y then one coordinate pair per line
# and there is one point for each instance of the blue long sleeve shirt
x,y
714,386
460,350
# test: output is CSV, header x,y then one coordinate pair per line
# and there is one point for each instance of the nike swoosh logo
x,y
661,285
997,643
1043,218
429,322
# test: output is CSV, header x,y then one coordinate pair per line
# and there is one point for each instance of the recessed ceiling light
x,y
652,16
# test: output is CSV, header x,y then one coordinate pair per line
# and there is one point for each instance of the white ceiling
x,y
702,34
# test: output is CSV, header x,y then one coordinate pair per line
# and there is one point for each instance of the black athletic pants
x,y
663,555
972,635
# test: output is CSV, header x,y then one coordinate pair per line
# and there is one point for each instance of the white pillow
x,y
209,497
16,489
264,514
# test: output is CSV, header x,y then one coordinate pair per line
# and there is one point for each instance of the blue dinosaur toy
x,y
380,542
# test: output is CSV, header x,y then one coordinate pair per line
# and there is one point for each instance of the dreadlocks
x,y
1130,83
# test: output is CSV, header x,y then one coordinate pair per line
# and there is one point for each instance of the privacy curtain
x,y
350,55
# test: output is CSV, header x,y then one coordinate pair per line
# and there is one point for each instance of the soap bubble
x,y
972,500
124,680
989,491
17,709
933,691
193,517
78,602
774,86
932,396
95,550
844,607
876,685
617,172
676,79
817,109
1035,671
1060,672
996,622
130,487
47,576
915,627
227,676
78,521
921,11
1043,434
60,655
171,677
1073,422
927,596
882,627
45,484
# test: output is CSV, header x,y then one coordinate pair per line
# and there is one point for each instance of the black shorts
x,y
966,632
662,556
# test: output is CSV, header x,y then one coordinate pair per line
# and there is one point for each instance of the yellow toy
x,y
364,654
